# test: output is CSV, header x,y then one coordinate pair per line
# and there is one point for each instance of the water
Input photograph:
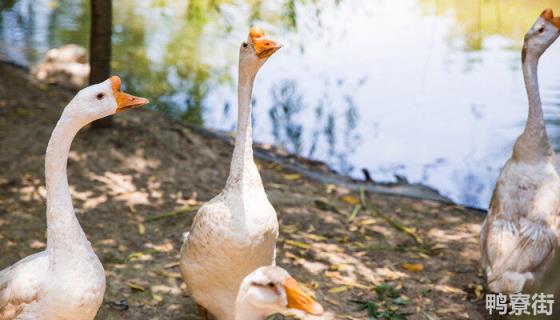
x,y
427,89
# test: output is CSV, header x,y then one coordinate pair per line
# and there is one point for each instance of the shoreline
x,y
310,168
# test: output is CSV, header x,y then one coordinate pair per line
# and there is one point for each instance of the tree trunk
x,y
100,48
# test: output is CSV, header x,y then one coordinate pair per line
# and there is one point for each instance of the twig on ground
x,y
396,223
172,213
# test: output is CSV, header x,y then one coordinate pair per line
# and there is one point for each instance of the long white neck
x,y
243,170
64,234
533,144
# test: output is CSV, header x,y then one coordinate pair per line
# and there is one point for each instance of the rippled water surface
x,y
427,89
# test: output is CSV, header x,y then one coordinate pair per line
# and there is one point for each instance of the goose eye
x,y
540,30
245,44
100,96
270,285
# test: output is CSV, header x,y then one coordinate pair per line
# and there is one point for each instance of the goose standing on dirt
x,y
521,231
235,232
67,280
270,290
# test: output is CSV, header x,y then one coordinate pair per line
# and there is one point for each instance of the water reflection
x,y
476,21
286,106
430,90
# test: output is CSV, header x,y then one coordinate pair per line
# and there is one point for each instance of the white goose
x,y
521,231
270,290
235,232
67,280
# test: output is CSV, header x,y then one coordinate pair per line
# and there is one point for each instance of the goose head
x,y
541,35
257,49
269,290
101,100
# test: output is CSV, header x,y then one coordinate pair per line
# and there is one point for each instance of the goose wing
x,y
499,233
523,249
513,243
20,284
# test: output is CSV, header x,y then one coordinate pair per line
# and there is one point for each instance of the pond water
x,y
427,89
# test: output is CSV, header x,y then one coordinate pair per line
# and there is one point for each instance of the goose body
x,y
67,280
521,232
221,250
235,232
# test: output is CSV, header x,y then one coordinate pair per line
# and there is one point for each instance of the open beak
x,y
264,47
124,100
297,299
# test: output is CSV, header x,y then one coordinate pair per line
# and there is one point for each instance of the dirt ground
x,y
136,189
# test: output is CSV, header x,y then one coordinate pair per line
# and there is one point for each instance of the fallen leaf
x,y
413,267
139,255
133,256
171,265
314,237
474,289
329,188
141,229
366,222
135,286
423,255
449,289
350,199
298,244
290,228
338,289
292,176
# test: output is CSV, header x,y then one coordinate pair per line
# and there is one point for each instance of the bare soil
x,y
136,188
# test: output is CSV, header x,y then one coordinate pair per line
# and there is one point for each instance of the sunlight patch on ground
x,y
452,235
353,269
137,161
166,246
32,189
121,187
36,244
166,289
448,289
89,200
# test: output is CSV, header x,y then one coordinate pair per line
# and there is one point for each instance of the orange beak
x,y
297,299
264,47
124,100
548,14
